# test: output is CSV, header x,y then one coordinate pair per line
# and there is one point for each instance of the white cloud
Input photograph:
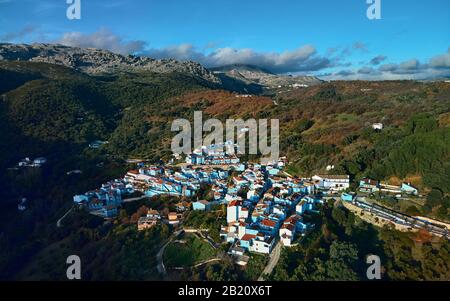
x,y
103,39
303,59
441,61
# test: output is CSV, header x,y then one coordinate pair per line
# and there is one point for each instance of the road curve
x,y
159,257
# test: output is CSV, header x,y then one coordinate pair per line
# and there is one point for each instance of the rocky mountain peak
x,y
98,61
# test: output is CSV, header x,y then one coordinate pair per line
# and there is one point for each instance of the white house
x,y
301,207
79,199
262,244
332,182
40,161
377,126
243,213
287,232
233,211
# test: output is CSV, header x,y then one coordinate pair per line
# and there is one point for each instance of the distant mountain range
x,y
240,78
259,76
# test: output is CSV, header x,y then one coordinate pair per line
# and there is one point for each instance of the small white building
x,y
301,207
377,126
22,206
262,244
287,232
333,183
40,161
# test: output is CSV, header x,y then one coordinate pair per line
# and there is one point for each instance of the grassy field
x,y
191,251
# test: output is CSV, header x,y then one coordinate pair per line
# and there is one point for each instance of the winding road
x,y
159,257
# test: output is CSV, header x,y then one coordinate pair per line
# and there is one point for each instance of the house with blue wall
x,y
109,211
409,189
348,197
246,241
201,205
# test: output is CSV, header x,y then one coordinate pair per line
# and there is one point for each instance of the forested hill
x,y
55,111
49,109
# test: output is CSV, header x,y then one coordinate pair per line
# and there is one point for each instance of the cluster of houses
x,y
105,200
157,180
27,162
272,209
154,217
370,186
263,206
214,154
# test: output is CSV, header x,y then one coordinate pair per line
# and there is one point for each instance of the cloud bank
x,y
333,64
437,67
103,39
303,59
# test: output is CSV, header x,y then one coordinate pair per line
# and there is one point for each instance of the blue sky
x,y
330,38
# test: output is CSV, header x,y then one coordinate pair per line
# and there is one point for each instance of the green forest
x,y
339,245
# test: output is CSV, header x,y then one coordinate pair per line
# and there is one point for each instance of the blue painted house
x,y
348,197
409,189
201,205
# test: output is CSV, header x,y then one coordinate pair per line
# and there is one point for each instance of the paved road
x,y
58,223
206,261
135,199
274,257
207,239
198,264
159,257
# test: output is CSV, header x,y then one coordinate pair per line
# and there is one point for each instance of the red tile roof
x,y
268,223
292,219
288,226
234,203
248,237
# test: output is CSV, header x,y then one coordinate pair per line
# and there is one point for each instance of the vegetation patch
x,y
188,251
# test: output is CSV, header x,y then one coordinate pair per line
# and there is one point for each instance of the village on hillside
x,y
269,212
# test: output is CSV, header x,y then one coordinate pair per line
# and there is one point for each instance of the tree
x,y
434,197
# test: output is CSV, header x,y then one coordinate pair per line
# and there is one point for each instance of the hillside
x,y
56,111
328,124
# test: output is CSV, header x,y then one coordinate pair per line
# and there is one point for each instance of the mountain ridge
x,y
252,74
98,61
242,78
